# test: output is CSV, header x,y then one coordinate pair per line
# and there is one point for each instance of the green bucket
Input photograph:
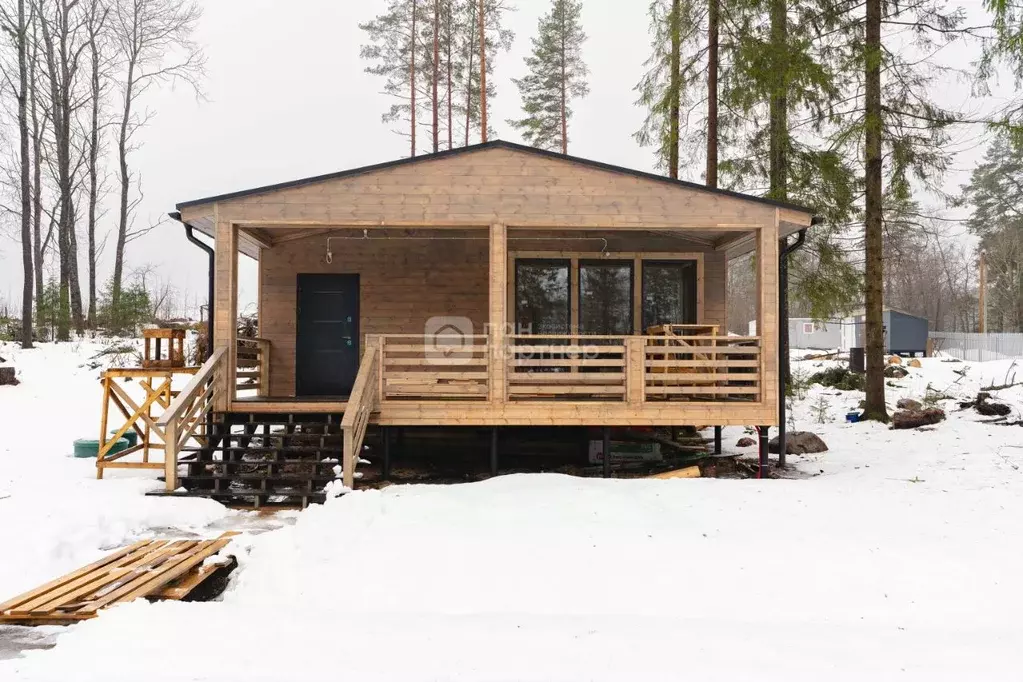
x,y
85,447
131,435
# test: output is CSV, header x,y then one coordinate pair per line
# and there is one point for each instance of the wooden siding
x,y
497,185
402,284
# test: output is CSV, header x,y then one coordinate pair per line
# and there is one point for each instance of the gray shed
x,y
805,332
904,334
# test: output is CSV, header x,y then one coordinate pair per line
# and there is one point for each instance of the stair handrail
x,y
362,402
183,416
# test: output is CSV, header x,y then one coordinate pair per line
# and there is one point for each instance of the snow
x,y
54,515
894,555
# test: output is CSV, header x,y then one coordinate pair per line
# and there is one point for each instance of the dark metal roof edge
x,y
489,145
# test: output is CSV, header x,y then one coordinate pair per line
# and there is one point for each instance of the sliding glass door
x,y
669,293
605,297
542,297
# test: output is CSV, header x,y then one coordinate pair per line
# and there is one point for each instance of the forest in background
x,y
75,74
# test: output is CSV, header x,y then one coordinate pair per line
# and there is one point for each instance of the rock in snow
x,y
895,372
909,404
910,419
799,443
745,442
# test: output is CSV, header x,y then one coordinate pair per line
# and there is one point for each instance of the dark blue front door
x,y
327,334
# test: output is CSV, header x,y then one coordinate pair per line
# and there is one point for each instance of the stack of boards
x,y
153,569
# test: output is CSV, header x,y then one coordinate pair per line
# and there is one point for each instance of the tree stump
x,y
7,377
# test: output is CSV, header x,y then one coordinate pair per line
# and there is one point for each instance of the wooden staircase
x,y
261,458
265,460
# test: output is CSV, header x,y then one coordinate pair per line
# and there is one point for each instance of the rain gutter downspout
x,y
783,331
189,232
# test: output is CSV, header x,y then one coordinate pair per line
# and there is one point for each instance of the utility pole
x,y
981,298
483,74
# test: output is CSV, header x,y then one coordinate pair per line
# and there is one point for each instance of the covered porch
x,y
496,286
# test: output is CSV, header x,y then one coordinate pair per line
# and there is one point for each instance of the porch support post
x,y
498,310
717,440
225,307
606,450
385,468
493,452
635,370
764,433
767,319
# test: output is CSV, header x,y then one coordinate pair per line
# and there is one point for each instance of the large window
x,y
542,297
605,297
669,293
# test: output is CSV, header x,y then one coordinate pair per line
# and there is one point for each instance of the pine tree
x,y
1006,48
469,81
557,74
995,192
392,51
428,53
873,228
898,132
673,24
49,310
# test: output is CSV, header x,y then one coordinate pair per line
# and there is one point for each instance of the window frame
x,y
574,257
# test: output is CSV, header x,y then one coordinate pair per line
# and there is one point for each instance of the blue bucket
x,y
852,417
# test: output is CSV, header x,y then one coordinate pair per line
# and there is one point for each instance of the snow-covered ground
x,y
897,556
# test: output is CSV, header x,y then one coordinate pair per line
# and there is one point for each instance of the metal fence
x,y
977,346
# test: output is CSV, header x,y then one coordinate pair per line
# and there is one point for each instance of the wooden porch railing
x,y
633,369
702,367
566,367
363,401
442,367
188,412
253,371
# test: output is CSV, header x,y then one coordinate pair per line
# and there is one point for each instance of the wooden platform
x,y
155,569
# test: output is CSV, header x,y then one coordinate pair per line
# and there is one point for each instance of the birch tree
x,y
16,27
61,27
155,45
96,24
557,75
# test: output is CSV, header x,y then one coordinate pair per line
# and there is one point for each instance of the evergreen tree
x,y
673,23
469,82
428,53
392,52
49,310
132,309
557,74
897,130
995,192
1006,48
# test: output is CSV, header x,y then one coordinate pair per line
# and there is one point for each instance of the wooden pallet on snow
x,y
157,569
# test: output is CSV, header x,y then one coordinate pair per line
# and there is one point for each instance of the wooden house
x,y
488,286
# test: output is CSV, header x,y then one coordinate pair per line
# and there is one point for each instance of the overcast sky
x,y
287,98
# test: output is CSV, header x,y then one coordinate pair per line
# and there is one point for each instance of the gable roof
x,y
493,144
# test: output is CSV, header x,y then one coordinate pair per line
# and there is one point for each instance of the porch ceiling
x,y
734,242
